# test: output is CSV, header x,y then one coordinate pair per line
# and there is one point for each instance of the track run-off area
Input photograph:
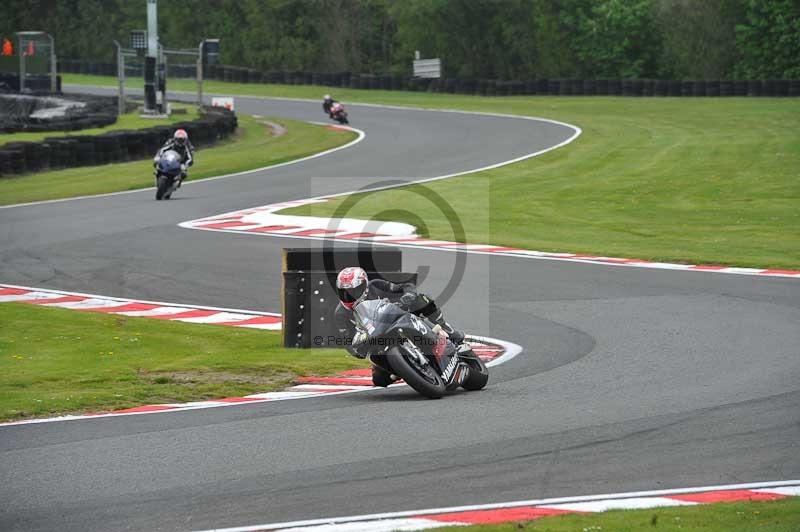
x,y
630,379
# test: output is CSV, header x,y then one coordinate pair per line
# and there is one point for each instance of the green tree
x,y
699,37
614,38
769,40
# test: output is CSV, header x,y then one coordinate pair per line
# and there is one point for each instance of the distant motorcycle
x,y
416,350
338,113
168,171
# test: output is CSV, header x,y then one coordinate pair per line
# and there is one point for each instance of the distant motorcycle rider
x,y
180,144
353,286
327,104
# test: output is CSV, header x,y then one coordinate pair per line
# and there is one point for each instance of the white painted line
x,y
388,525
158,311
792,491
637,503
531,502
220,317
87,304
28,296
264,326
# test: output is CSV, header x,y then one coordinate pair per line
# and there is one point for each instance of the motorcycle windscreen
x,y
170,163
377,316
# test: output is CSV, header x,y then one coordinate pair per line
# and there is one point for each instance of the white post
x,y
21,51
53,70
120,79
152,50
152,28
200,75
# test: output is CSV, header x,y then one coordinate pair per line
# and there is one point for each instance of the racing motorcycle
x,y
168,171
338,113
416,350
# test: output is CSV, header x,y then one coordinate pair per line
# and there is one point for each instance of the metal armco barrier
x,y
309,289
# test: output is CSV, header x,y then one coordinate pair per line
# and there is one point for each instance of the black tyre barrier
x,y
740,88
754,87
599,87
627,87
111,147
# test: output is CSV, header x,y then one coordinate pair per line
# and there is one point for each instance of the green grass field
x,y
56,361
126,121
772,516
252,146
701,180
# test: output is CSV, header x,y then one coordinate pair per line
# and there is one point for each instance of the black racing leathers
x,y
185,150
405,295
327,104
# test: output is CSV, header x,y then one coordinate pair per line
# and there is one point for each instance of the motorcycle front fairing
x,y
170,164
382,319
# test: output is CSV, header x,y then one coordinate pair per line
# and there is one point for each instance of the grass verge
x,y
701,180
57,361
772,516
126,121
252,146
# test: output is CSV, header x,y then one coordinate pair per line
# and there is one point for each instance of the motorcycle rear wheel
x,y
424,379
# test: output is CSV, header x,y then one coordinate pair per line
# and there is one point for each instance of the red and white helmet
x,y
352,286
180,136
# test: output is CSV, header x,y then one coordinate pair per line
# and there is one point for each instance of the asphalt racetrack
x,y
630,379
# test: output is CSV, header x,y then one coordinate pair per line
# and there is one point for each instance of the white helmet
x,y
180,136
352,286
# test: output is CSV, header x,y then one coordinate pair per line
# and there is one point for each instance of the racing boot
x,y
382,378
457,337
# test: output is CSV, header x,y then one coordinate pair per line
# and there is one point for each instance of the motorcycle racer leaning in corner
x,y
179,143
353,286
327,103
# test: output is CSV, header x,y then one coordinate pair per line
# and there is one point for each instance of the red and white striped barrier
x,y
265,220
534,509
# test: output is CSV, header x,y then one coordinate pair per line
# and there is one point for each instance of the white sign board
x,y
226,102
428,68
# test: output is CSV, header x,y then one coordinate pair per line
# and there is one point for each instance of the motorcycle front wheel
x,y
161,187
422,377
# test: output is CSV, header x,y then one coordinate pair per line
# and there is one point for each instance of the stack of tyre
x,y
113,147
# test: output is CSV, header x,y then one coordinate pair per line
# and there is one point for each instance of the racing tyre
x,y
161,187
424,379
478,375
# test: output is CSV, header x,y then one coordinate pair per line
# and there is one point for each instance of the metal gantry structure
x,y
23,45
